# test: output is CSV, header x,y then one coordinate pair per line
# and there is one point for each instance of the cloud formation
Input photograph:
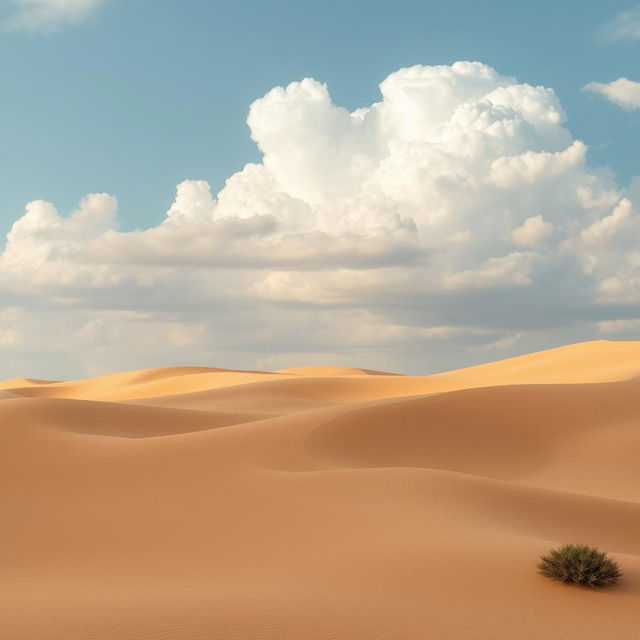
x,y
623,27
50,15
623,92
456,216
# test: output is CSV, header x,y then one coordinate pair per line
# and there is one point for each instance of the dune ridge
x,y
321,502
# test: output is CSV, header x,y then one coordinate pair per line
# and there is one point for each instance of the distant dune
x,y
321,503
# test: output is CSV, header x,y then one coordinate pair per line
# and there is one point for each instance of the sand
x,y
321,503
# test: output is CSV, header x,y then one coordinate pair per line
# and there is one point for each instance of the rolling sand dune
x,y
321,503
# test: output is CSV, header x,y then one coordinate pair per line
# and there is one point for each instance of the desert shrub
x,y
580,564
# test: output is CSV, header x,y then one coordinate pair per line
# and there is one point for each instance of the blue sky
x,y
452,183
146,93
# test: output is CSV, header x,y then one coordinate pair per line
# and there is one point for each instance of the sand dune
x,y
334,371
322,503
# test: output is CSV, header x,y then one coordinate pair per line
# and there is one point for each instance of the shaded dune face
x,y
112,419
189,503
509,432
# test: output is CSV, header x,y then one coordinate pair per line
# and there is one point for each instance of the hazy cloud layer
x,y
623,27
454,219
50,15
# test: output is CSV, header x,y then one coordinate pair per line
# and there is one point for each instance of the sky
x,y
408,186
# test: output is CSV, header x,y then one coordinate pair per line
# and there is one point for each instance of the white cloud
x,y
623,27
532,167
532,232
457,210
513,270
606,230
50,15
623,92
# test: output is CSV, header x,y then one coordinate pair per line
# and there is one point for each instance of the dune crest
x,y
321,502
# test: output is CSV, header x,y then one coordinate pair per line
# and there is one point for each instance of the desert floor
x,y
321,503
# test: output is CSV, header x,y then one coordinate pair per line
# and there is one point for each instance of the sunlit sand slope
x,y
321,503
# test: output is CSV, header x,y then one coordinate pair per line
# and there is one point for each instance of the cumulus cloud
x,y
50,15
623,27
456,214
623,92
533,231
